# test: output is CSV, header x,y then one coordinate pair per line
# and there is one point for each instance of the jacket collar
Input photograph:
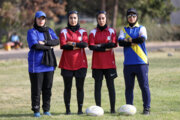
x,y
106,29
136,25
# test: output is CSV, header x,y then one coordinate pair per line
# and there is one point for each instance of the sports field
x,y
164,80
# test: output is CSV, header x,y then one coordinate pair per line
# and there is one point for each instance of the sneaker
x,y
113,111
146,111
47,113
37,114
80,113
68,112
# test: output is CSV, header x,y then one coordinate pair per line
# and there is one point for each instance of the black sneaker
x,y
80,113
113,111
146,111
68,112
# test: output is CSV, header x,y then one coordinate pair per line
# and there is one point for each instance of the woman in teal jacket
x,y
41,62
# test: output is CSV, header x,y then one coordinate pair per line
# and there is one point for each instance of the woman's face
x,y
41,21
101,19
73,19
132,18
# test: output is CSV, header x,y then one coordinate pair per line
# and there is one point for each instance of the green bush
x,y
161,32
4,39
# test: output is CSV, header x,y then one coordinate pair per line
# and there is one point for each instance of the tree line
x,y
158,10
19,14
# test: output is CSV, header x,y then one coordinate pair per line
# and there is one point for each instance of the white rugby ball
x,y
94,111
127,110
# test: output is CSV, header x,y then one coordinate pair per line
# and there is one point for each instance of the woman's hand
x,y
133,44
98,45
107,49
71,43
128,40
76,48
41,42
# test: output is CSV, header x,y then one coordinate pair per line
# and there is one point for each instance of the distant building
x,y
175,16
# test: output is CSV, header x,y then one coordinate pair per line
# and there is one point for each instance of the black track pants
x,y
41,82
67,91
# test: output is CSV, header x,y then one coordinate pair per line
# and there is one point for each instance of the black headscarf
x,y
101,27
73,28
98,26
43,29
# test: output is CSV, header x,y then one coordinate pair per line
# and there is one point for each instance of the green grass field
x,y
164,80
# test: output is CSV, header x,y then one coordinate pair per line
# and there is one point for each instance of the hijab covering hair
x,y
73,28
72,12
100,12
132,11
98,26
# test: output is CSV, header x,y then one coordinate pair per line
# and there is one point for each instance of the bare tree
x,y
103,4
115,13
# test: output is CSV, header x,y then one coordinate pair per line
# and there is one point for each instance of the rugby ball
x,y
127,110
94,111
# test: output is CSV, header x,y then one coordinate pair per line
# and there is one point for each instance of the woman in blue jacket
x,y
41,63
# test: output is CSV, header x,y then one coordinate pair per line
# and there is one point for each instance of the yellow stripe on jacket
x,y
137,49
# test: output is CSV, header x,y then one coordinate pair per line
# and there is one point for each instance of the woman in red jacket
x,y
102,40
73,63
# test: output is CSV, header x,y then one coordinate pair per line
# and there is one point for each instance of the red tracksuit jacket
x,y
103,60
73,59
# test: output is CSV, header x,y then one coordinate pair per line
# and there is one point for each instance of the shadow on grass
x,y
111,114
16,115
82,115
53,114
57,114
31,115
